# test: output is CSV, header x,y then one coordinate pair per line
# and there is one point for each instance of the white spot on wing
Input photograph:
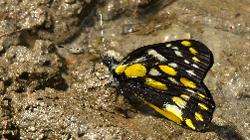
x,y
191,72
156,55
186,61
196,66
175,48
172,107
174,65
168,45
173,80
154,72
189,90
178,53
140,59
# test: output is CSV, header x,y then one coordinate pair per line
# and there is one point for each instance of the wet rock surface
x,y
53,84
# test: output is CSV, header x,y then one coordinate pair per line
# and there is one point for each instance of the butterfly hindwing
x,y
169,78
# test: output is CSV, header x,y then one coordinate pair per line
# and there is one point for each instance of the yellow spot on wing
x,y
190,124
202,106
201,95
181,103
186,43
120,69
187,82
169,113
168,70
193,51
195,59
185,97
155,84
135,70
174,113
198,117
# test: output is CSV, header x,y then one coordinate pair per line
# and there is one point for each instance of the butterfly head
x,y
110,59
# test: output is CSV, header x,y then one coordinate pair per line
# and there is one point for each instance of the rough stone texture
x,y
56,20
65,92
27,69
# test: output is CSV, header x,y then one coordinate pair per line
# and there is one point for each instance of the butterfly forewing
x,y
169,78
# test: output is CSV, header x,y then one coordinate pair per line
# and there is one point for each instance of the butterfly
x,y
168,77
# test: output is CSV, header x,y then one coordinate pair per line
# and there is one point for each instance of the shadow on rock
x,y
225,132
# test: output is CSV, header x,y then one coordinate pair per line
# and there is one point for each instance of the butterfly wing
x,y
169,78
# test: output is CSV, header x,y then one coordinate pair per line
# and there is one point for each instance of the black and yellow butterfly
x,y
169,78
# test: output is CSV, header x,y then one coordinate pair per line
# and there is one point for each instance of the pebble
x,y
70,1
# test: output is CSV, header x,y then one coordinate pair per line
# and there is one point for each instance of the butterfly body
x,y
169,78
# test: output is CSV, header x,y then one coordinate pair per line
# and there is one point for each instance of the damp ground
x,y
53,84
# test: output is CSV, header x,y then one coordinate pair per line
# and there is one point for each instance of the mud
x,y
53,84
